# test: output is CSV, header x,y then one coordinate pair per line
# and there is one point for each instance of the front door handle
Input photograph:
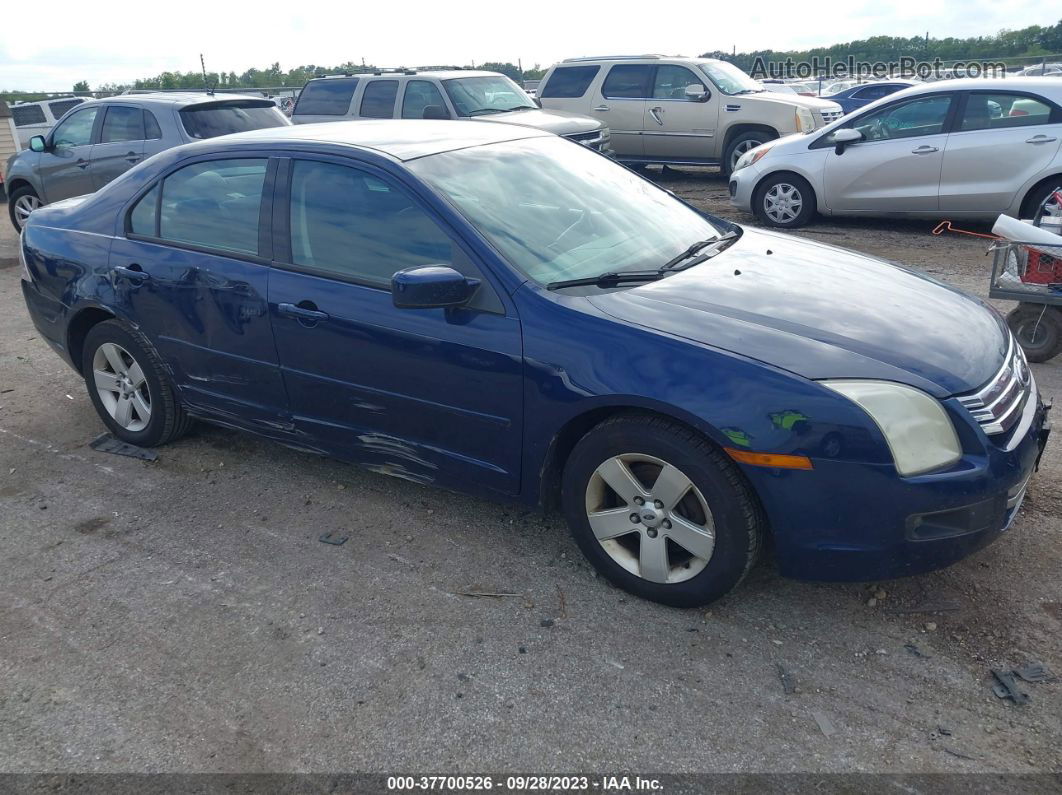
x,y
132,273
924,150
82,163
304,310
656,113
132,157
1040,139
602,108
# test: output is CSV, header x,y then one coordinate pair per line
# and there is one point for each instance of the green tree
x,y
507,69
81,87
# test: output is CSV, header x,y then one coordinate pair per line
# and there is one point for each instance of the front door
x,y
120,146
621,105
676,127
190,271
433,395
896,167
65,168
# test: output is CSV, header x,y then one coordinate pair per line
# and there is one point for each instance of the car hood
x,y
823,312
558,122
811,103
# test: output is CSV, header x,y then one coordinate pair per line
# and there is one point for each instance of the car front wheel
x,y
20,204
660,511
785,201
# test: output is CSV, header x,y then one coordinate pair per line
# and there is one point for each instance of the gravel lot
x,y
183,616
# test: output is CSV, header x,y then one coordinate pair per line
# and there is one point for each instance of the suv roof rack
x,y
611,58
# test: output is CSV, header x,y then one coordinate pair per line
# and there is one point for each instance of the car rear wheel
x,y
785,201
660,511
20,204
1038,329
129,387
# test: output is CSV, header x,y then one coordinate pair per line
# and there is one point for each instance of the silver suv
x,y
677,110
439,94
102,138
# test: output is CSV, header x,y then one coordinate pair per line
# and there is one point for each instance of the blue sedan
x,y
857,96
505,313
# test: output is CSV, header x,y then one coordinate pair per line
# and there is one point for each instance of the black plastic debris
x,y
333,539
914,651
1008,687
786,678
105,443
1035,672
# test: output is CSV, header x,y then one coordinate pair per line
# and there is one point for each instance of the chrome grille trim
x,y
997,405
831,115
595,139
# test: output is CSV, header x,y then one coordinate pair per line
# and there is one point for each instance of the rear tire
x,y
784,201
20,203
1038,329
698,529
129,386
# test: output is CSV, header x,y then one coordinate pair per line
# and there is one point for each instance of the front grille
x,y
998,404
831,115
595,139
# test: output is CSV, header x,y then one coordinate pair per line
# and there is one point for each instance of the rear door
x,y
1001,141
624,93
896,167
121,143
676,127
65,169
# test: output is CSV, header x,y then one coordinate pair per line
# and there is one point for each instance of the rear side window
x,y
122,123
210,121
378,101
28,114
328,97
627,81
569,81
421,94
990,111
872,92
214,204
60,107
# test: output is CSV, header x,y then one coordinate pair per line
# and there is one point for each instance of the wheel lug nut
x,y
639,501
658,504
667,525
651,532
635,518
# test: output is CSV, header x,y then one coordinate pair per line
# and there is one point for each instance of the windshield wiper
x,y
608,279
715,245
481,111
750,91
520,107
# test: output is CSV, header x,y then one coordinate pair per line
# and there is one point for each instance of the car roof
x,y
176,98
402,139
412,74
1035,85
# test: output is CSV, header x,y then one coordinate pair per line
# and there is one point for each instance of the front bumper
x,y
858,522
742,184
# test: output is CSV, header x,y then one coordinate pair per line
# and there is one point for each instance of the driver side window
x,y
920,116
671,81
76,130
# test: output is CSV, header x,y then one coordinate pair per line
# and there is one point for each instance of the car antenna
x,y
209,88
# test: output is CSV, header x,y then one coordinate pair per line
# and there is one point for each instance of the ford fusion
x,y
505,313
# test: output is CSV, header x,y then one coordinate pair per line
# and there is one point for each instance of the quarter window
x,y
142,220
985,111
922,116
569,81
350,224
328,97
627,81
76,130
420,94
214,204
152,131
671,81
378,101
122,123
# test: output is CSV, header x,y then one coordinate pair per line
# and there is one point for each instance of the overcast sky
x,y
52,44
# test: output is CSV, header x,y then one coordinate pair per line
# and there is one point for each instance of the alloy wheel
x,y
741,149
782,202
24,205
650,518
122,387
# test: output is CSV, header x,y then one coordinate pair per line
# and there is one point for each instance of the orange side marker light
x,y
777,460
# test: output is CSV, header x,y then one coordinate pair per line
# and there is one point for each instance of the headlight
x,y
805,121
752,156
916,427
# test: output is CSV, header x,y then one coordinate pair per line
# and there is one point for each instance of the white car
x,y
958,149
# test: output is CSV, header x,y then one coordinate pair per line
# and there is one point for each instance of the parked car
x,y
862,94
1041,70
968,148
36,118
440,94
679,111
100,139
380,292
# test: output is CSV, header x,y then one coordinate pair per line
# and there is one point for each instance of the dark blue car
x,y
506,313
863,94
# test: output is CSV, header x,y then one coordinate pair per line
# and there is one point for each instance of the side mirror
x,y
697,93
431,286
434,112
843,138
37,143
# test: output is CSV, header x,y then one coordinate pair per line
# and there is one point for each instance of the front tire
x,y
784,201
20,203
1038,329
129,386
660,511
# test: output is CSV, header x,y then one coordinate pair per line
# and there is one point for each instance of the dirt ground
x,y
182,615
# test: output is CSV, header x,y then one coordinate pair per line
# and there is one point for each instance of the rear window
x,y
569,81
329,97
27,114
62,106
378,101
627,81
210,121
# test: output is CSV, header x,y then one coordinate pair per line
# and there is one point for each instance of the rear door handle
x,y
300,312
132,273
132,157
924,150
1040,139
601,108
82,163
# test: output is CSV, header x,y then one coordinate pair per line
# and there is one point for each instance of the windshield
x,y
729,79
557,211
474,96
210,121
